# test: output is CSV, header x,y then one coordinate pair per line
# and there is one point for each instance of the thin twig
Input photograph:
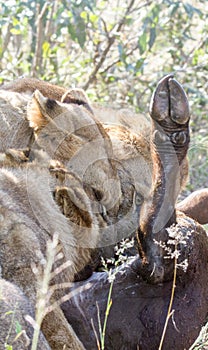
x,y
99,322
64,298
96,335
105,27
170,311
50,22
60,269
202,339
189,56
11,323
118,60
109,304
111,40
42,292
7,38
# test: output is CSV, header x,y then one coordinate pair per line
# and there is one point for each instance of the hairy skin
x,y
195,206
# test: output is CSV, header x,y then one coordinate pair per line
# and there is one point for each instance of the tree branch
x,y
111,40
39,42
50,22
118,60
6,40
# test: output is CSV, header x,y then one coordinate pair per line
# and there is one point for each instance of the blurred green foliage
x,y
116,50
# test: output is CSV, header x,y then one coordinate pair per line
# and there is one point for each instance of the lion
x,y
30,216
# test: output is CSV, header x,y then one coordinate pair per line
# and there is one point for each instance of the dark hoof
x,y
169,101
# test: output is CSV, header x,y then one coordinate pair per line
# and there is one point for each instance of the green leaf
x,y
155,14
84,15
18,327
122,54
77,30
72,31
191,9
142,43
8,347
152,37
93,18
80,31
15,21
139,64
15,31
9,313
174,8
45,48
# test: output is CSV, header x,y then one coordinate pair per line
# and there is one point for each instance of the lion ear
x,y
78,97
40,110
